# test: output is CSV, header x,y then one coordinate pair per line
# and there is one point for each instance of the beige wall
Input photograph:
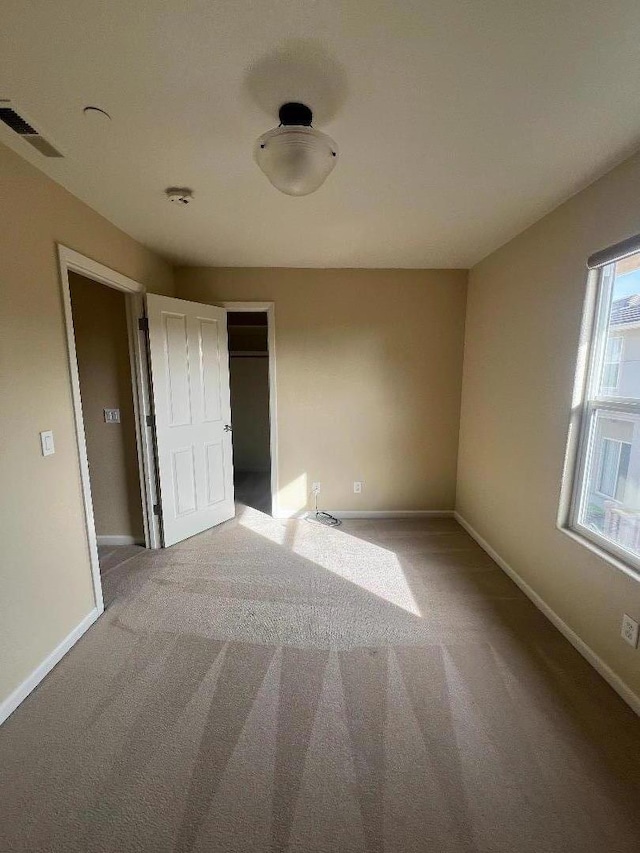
x,y
102,350
368,379
523,320
44,575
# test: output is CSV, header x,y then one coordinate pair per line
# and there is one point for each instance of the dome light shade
x,y
296,158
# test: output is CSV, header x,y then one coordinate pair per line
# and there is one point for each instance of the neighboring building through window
x,y
614,467
605,481
612,359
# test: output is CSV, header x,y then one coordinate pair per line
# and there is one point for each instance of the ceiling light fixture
x,y
296,158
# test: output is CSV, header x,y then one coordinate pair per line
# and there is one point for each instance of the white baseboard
x,y
614,680
368,513
119,540
23,690
400,513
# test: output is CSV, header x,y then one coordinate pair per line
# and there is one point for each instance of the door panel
x,y
210,372
174,341
190,386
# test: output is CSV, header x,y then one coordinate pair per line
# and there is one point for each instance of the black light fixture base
x,y
295,114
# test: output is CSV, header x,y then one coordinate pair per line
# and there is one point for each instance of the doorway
x,y
99,315
249,382
252,383
181,411
93,274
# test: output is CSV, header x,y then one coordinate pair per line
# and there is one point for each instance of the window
x,y
612,359
614,467
604,481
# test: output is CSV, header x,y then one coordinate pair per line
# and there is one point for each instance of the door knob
x,y
228,428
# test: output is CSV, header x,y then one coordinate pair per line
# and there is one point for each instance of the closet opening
x,y
249,368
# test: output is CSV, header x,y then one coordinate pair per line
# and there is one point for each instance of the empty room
x,y
320,421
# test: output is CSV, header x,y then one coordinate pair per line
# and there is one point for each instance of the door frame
x,y
71,261
269,309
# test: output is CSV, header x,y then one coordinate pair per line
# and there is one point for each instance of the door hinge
x,y
156,509
143,324
150,420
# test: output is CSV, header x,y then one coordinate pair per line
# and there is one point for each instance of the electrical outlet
x,y
629,630
357,487
315,488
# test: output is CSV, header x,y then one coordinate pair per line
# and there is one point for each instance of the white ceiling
x,y
459,122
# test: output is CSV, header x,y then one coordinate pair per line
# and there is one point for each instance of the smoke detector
x,y
179,195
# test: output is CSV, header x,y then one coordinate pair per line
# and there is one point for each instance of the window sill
x,y
599,551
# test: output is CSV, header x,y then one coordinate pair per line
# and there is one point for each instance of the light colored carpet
x,y
112,556
279,686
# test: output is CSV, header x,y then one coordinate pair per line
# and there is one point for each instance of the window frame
x,y
587,401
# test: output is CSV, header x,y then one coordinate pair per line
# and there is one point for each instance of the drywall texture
x,y
249,381
368,372
102,351
45,577
523,324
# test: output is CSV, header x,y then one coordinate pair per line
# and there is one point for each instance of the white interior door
x,y
190,386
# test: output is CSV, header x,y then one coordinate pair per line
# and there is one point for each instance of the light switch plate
x,y
112,416
46,443
629,630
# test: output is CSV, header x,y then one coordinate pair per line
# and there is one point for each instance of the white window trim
x,y
580,438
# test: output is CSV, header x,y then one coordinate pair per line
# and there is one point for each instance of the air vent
x,y
15,122
22,127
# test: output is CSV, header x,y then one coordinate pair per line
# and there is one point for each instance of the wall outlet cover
x,y
112,416
629,630
357,486
315,487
